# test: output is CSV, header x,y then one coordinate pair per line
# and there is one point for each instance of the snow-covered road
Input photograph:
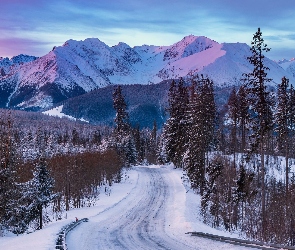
x,y
154,215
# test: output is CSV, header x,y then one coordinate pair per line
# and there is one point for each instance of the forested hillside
x,y
145,104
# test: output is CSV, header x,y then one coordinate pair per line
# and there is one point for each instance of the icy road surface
x,y
151,216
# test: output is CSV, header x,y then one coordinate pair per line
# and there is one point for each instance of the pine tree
x,y
152,144
162,156
282,120
130,152
210,198
154,135
10,191
291,108
40,191
175,127
194,160
182,101
208,102
122,117
96,138
243,115
244,189
200,124
260,102
137,142
125,143
233,112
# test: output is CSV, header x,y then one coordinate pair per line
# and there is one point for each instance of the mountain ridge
x,y
78,67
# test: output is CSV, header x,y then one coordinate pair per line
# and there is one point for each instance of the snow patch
x,y
57,112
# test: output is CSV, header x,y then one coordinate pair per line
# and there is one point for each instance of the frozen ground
x,y
151,209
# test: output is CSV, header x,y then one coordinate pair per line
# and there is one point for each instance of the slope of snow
x,y
193,63
57,112
188,46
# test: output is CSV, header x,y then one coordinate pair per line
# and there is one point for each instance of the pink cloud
x,y
14,46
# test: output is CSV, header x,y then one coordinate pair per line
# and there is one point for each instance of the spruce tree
x,y
200,124
137,142
233,112
243,115
125,143
182,103
194,160
209,110
175,127
170,127
210,197
244,189
152,144
122,117
40,191
282,120
291,108
260,103
10,192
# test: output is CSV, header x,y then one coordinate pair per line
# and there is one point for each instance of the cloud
x,y
56,21
15,46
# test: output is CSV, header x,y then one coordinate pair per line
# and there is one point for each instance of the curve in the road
x,y
138,222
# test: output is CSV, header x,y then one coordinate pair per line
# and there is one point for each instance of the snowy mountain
x,y
288,65
7,65
80,66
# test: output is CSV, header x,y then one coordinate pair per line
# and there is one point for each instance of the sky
x,y
34,27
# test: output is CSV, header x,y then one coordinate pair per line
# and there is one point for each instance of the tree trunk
x,y
262,188
40,216
202,186
287,173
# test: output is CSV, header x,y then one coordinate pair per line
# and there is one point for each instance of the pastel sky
x,y
33,27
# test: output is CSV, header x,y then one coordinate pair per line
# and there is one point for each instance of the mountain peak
x,y
121,46
23,58
188,46
87,42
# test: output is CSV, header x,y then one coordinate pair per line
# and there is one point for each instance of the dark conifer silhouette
x,y
260,103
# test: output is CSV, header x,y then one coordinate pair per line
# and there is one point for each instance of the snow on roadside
x,y
184,210
45,239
